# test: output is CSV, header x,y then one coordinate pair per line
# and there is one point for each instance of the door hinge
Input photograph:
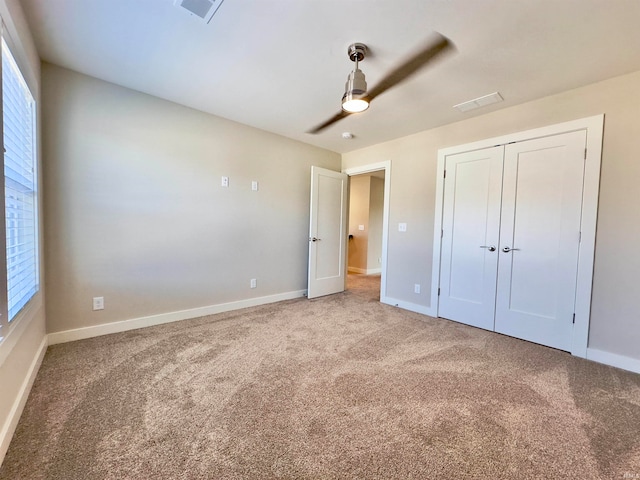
x,y
585,153
574,318
438,291
442,233
579,237
445,174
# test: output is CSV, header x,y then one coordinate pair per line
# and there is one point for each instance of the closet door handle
x,y
508,249
491,248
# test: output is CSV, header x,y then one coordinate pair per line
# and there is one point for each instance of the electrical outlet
x,y
416,288
98,303
402,227
254,283
225,181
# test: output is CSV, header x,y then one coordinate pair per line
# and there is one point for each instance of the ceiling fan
x,y
357,98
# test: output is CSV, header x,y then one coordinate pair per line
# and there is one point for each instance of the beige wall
x,y
359,189
135,211
376,213
20,351
614,325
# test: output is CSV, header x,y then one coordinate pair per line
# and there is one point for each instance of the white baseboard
x,y
364,271
134,323
614,360
9,427
412,307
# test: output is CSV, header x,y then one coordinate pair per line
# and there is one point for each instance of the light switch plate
x,y
98,303
402,227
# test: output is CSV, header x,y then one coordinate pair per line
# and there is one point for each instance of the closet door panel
x,y
540,232
471,221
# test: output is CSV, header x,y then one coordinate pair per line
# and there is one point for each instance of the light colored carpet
x,y
337,387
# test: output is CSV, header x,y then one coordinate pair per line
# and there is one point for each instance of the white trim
x,y
614,360
555,129
361,271
19,325
588,225
134,323
437,233
10,424
14,38
375,167
364,271
412,307
594,128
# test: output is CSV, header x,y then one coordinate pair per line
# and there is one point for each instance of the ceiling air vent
x,y
203,9
494,97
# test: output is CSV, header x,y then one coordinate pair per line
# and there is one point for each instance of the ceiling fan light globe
x,y
354,105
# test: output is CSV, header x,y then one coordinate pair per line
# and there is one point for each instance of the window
x,y
19,116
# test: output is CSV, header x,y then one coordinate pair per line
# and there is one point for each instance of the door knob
x,y
491,248
314,239
508,249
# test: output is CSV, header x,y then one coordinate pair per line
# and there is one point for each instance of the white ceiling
x,y
281,65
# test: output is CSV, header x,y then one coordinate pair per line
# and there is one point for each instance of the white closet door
x,y
540,236
471,222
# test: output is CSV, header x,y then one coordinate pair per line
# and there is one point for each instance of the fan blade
x,y
436,45
332,120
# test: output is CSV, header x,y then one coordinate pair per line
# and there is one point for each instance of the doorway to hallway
x,y
365,217
374,223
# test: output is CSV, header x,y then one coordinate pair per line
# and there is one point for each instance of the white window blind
x,y
19,113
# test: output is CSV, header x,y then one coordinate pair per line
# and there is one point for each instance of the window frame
x,y
12,331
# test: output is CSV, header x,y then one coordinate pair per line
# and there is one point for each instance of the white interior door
x,y
327,232
470,236
540,238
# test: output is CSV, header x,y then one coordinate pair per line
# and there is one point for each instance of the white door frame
x,y
594,128
374,167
